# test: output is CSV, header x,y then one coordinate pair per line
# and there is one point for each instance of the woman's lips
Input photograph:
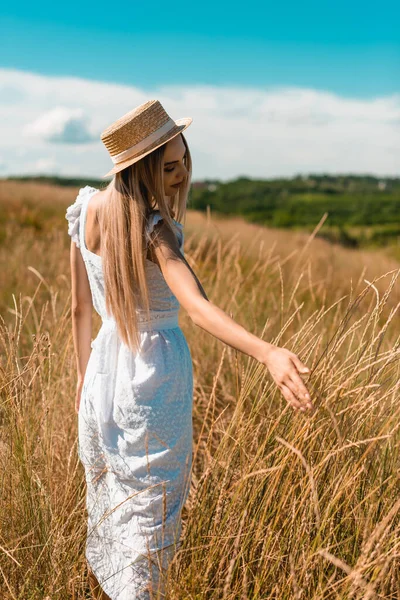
x,y
176,185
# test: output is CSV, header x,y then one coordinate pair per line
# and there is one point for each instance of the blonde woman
x,y
135,380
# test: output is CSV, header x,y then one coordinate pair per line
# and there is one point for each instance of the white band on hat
x,y
143,144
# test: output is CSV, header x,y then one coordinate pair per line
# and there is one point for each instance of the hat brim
x,y
180,126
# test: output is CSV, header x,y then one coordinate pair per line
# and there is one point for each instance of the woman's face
x,y
174,167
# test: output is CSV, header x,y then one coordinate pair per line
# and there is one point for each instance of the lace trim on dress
x,y
73,214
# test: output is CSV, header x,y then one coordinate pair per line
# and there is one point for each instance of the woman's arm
x,y
285,367
81,311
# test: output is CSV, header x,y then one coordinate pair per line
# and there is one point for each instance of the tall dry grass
x,y
283,505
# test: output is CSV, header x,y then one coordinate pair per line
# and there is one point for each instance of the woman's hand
x,y
285,368
79,387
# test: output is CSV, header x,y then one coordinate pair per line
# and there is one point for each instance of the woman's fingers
x,y
301,367
289,396
298,388
285,368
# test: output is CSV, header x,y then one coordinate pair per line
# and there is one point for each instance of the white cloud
x,y
235,131
44,166
61,125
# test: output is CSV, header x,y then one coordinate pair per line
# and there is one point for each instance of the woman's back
x,y
162,300
135,429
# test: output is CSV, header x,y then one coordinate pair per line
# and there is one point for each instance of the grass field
x,y
283,505
361,211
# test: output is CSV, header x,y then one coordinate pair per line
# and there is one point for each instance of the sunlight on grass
x,y
283,505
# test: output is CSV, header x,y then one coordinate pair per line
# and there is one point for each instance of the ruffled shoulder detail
x,y
73,213
155,218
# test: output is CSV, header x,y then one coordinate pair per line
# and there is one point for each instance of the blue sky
x,y
352,48
343,57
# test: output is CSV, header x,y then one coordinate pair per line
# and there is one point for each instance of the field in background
x,y
360,211
283,505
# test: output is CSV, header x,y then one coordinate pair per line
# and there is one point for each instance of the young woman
x,y
135,380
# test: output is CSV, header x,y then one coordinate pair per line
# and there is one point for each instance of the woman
x,y
135,380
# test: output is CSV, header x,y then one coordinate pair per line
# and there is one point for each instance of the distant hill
x,y
63,181
362,210
82,181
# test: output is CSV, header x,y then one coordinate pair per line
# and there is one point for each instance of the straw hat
x,y
139,132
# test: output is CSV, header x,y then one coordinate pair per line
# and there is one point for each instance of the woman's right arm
x,y
285,367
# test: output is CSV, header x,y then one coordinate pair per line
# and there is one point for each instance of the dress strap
x,y
155,218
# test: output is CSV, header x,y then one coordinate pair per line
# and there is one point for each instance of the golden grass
x,y
283,505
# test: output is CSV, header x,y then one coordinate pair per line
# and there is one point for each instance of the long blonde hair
x,y
133,194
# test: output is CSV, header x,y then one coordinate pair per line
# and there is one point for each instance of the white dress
x,y
134,432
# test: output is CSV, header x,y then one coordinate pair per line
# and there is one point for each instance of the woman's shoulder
x,y
73,212
156,217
